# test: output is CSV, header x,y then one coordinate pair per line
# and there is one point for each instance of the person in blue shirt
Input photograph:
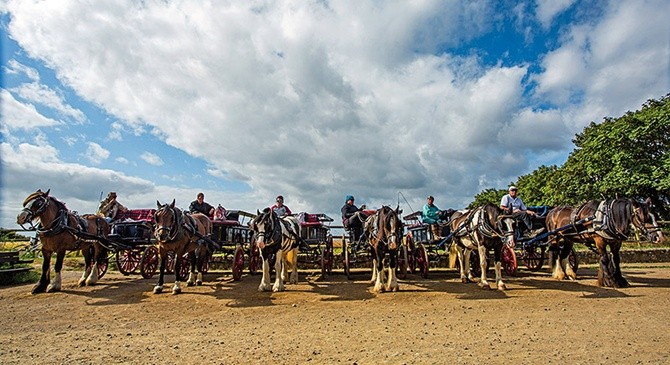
x,y
435,217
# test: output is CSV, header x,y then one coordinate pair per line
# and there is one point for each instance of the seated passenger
x,y
512,204
109,207
279,208
435,217
353,217
200,206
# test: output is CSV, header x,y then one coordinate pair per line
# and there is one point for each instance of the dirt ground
x,y
430,321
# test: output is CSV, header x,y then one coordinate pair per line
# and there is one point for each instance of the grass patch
x,y
19,278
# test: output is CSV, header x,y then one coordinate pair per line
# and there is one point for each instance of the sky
x,y
314,100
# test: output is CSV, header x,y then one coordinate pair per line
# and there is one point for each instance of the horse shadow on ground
x,y
544,281
637,281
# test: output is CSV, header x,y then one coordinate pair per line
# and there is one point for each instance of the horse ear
x,y
47,193
158,204
258,212
172,204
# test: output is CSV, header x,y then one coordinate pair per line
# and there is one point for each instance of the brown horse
x,y
59,231
482,229
600,224
181,233
384,232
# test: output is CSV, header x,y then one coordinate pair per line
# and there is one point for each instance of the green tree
x,y
488,196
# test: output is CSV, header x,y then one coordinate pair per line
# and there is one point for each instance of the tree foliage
x,y
627,156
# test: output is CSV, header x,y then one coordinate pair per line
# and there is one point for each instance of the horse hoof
x,y
176,291
190,284
502,287
158,289
81,283
198,283
39,288
52,289
485,286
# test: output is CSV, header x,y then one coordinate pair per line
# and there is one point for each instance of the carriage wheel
x,y
205,263
508,258
103,264
238,263
185,267
149,263
422,260
345,255
127,261
572,260
411,259
533,257
254,259
401,268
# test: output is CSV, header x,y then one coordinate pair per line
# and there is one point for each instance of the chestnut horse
x,y
602,224
60,230
279,236
482,229
384,232
181,233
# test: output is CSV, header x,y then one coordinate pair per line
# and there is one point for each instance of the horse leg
x,y
392,284
92,278
56,282
497,255
293,260
619,280
41,285
567,248
201,262
265,280
373,279
279,267
379,264
88,262
162,255
176,289
605,269
483,283
193,258
559,273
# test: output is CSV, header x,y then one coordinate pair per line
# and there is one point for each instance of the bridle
x,y
173,229
32,215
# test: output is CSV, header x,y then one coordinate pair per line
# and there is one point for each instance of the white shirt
x,y
517,203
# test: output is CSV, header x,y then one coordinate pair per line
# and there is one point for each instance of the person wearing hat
x,y
279,208
109,207
353,217
512,204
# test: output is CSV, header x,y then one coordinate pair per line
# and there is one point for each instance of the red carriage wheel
x,y
421,257
533,258
127,261
103,264
185,267
401,268
238,263
254,259
149,263
508,258
572,260
411,260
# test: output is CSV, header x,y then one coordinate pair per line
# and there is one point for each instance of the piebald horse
x,y
482,229
181,233
602,224
384,231
279,236
59,231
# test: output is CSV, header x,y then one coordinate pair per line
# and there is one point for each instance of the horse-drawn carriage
x,y
234,239
315,233
355,248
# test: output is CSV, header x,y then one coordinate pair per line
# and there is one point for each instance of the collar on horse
x,y
177,222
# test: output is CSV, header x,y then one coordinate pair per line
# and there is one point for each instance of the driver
x,y
512,204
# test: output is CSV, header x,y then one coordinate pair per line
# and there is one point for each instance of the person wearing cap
x,y
110,207
512,204
353,217
200,206
435,217
279,208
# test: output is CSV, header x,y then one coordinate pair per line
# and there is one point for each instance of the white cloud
x,y
17,115
122,160
42,94
115,132
547,10
15,68
151,158
95,153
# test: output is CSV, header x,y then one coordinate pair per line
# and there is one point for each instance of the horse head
x,y
166,222
390,226
33,207
266,228
503,224
645,221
